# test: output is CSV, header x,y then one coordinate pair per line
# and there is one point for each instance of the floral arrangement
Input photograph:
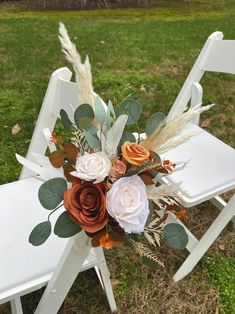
x,y
108,179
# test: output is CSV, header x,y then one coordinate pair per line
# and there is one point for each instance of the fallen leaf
x,y
15,129
205,123
115,282
221,247
142,88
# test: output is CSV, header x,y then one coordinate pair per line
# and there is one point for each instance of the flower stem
x,y
48,218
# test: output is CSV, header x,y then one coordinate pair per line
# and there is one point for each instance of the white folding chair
x,y
23,267
210,170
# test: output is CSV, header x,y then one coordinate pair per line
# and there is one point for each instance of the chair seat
x,y
210,168
31,267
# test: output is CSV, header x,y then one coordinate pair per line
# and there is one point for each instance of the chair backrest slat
x,y
221,57
68,97
60,94
217,55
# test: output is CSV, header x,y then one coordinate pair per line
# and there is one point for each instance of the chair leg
x,y
16,306
218,202
107,286
64,276
206,241
104,277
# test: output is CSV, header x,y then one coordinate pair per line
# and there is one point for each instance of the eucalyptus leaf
x,y
51,192
150,263
111,116
175,236
83,116
92,129
127,137
92,141
65,119
154,122
132,108
65,227
156,157
40,233
100,112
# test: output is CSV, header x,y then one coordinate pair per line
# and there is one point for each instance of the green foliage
x,y
40,233
111,116
65,119
51,192
126,136
154,122
175,236
83,116
221,271
92,129
100,112
92,141
148,262
132,108
65,227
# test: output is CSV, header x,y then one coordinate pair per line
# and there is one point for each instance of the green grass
x,y
125,54
154,48
221,272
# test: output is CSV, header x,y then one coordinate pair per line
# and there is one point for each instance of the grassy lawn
x,y
148,54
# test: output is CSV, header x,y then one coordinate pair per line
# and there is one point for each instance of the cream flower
x,y
127,202
90,167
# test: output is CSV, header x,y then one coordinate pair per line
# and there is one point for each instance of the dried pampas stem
x,y
175,141
82,70
169,136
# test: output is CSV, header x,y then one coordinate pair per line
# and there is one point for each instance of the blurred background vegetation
x,y
99,4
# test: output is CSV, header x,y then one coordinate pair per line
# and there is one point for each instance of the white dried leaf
x,y
114,135
149,238
43,170
15,129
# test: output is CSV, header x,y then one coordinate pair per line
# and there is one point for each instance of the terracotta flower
x,y
134,153
109,240
106,242
86,205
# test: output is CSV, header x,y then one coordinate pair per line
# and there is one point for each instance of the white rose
x,y
127,202
91,167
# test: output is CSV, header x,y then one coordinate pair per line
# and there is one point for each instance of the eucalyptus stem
x,y
48,218
138,131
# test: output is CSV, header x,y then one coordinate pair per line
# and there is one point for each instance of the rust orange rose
x,y
134,153
86,205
